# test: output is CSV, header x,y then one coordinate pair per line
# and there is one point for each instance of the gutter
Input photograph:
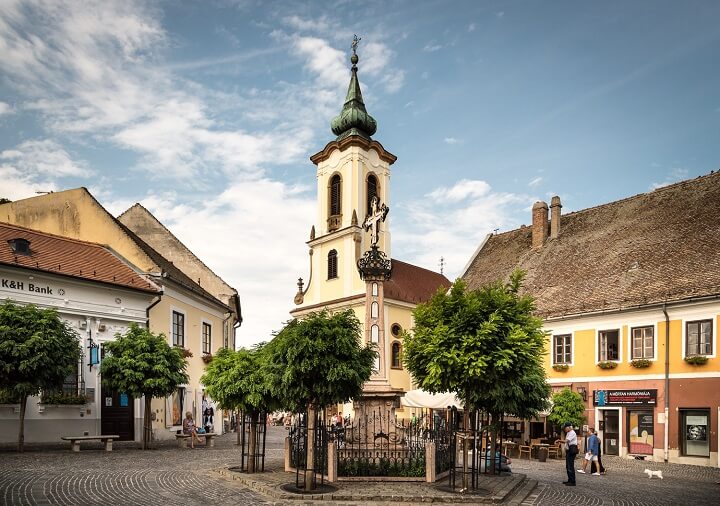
x,y
667,383
147,311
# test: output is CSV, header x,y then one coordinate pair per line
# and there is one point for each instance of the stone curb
x,y
264,484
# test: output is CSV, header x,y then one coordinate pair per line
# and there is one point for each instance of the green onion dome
x,y
354,118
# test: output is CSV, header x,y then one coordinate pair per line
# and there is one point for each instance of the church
x,y
350,260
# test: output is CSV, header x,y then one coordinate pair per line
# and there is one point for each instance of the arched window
x,y
371,190
374,310
375,333
374,289
335,186
332,265
395,360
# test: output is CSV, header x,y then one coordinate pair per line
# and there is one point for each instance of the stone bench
x,y
75,441
182,439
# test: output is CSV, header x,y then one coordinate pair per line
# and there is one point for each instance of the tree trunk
x,y
466,443
147,423
21,434
310,460
252,443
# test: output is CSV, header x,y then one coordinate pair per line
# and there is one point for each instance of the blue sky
x,y
207,112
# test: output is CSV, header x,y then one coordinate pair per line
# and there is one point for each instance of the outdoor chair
x,y
555,451
524,449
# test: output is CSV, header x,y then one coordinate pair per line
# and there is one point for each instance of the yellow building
x,y
630,296
186,312
351,171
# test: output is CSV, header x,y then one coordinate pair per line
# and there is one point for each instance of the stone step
x,y
522,493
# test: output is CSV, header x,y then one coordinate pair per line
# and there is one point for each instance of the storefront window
x,y
695,435
177,402
640,432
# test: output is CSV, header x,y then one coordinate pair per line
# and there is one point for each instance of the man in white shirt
x,y
571,449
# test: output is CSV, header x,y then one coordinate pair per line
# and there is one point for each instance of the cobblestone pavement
x,y
624,484
53,475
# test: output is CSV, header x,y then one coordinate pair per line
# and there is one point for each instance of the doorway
x,y
611,432
117,415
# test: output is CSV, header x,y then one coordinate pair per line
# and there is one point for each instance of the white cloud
x,y
324,61
45,157
452,221
321,24
451,140
471,27
675,175
5,108
535,181
500,14
432,46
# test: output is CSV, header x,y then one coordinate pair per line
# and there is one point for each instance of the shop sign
x,y
25,286
625,397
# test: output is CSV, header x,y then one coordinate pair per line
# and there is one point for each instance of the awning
x,y
422,399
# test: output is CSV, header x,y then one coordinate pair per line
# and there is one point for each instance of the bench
x,y
75,441
182,439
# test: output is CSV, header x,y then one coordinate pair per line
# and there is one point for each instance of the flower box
x,y
696,360
207,358
640,363
608,364
561,367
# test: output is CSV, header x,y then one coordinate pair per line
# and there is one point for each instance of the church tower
x,y
351,170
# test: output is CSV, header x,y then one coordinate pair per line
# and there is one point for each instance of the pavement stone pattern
x,y
53,475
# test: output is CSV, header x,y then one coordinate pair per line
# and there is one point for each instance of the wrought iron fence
x,y
476,440
252,459
300,435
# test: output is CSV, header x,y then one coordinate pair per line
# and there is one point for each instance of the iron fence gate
x,y
300,435
252,459
476,440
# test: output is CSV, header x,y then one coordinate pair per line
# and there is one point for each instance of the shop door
x,y
117,415
611,432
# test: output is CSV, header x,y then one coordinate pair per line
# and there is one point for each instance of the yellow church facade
x,y
351,172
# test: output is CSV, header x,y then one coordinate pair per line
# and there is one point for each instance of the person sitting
x,y
190,429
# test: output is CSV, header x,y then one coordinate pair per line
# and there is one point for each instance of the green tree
x,y
484,345
141,363
318,361
239,380
37,352
567,406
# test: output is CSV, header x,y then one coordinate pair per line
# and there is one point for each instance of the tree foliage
x,y
568,406
319,360
141,363
37,352
485,345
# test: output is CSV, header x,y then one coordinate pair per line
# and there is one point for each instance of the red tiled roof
x,y
410,283
655,247
69,257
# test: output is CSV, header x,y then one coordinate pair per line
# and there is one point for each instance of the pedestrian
x,y
571,450
598,466
592,453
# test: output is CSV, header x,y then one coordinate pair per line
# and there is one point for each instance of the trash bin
x,y
542,454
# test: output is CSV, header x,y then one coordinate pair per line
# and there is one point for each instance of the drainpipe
x,y
667,382
147,311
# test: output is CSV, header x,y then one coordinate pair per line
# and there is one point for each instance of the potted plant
x,y
186,353
696,360
640,363
207,358
62,399
607,364
560,367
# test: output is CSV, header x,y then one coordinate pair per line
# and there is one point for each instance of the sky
x,y
207,112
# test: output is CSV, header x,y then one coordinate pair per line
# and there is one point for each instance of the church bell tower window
x,y
371,192
335,218
332,265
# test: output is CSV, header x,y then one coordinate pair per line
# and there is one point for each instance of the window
x,y
335,183
396,329
206,338
375,333
562,346
177,405
70,383
226,332
695,432
375,289
20,246
371,191
609,345
643,342
395,361
332,265
698,338
178,329
374,310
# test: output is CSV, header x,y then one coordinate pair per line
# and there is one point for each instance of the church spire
x,y
354,118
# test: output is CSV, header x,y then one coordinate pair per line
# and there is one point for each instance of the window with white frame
x,y
562,349
698,338
643,342
206,338
178,328
609,345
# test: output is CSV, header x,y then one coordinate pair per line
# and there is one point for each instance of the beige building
x,y
351,170
188,313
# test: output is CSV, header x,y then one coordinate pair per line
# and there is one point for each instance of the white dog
x,y
653,473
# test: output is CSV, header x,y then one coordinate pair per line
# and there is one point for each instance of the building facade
x,y
98,295
630,296
189,315
351,171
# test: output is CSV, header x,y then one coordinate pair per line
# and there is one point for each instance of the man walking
x,y
571,449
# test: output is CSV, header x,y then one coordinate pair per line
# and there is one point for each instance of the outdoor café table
x,y
508,446
537,447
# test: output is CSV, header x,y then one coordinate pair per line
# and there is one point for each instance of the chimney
x,y
539,224
555,207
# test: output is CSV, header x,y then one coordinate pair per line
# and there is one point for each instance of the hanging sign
x,y
625,397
